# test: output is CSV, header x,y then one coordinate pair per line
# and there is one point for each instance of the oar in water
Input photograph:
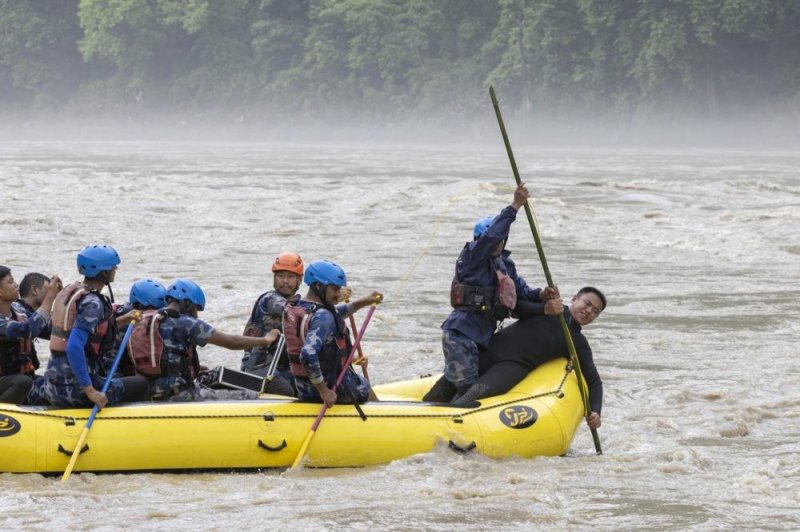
x,y
95,409
573,355
339,379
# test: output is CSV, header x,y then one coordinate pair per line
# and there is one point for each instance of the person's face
x,y
586,307
332,294
9,289
286,283
40,293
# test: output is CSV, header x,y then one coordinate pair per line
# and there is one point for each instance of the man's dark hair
x,y
31,281
595,291
4,270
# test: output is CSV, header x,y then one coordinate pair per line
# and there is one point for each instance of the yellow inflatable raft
x,y
538,417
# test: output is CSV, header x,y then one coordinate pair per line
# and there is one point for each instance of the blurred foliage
x,y
391,59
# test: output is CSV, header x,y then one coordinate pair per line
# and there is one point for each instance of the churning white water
x,y
698,252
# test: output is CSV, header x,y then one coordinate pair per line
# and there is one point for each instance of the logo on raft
x,y
518,417
8,426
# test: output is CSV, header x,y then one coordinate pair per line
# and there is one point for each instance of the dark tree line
x,y
390,59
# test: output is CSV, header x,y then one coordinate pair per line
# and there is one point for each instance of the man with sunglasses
x,y
535,339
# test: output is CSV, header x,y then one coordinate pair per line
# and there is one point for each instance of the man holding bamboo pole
x,y
484,291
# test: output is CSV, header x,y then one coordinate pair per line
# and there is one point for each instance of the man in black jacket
x,y
535,339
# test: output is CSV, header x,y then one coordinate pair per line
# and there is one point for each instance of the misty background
x,y
616,70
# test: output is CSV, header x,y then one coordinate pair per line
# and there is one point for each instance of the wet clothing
x,y
180,364
267,314
325,347
21,307
476,268
125,367
16,355
530,342
14,388
461,358
67,373
16,336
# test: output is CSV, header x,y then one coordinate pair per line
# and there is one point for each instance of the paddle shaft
x,y
339,379
95,409
573,355
360,352
273,365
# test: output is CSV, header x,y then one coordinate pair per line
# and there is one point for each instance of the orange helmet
x,y
289,262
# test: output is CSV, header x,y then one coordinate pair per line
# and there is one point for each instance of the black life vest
x,y
499,299
15,353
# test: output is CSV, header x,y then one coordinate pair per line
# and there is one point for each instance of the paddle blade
x,y
301,454
75,453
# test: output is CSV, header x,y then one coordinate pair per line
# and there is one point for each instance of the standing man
x,y
485,290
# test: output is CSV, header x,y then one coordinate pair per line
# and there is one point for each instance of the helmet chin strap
x,y
104,277
319,290
187,307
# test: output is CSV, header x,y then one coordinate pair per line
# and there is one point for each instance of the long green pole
x,y
573,355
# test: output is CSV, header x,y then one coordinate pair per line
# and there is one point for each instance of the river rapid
x,y
698,253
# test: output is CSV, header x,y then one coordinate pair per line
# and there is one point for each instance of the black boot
x,y
442,392
469,399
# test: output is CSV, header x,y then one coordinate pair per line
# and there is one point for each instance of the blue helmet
x,y
325,272
187,290
96,258
149,293
482,225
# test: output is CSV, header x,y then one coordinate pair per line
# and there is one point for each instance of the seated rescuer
x,y
484,290
267,314
82,335
535,339
316,337
172,376
17,331
32,292
145,294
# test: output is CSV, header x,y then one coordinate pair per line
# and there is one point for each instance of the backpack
x,y
145,345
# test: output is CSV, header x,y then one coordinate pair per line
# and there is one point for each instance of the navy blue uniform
x,y
267,314
468,329
181,335
66,375
14,360
321,357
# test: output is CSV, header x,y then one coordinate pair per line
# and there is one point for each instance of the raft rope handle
x,y
71,419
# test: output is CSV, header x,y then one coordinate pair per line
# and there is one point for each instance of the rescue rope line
x,y
390,319
74,419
